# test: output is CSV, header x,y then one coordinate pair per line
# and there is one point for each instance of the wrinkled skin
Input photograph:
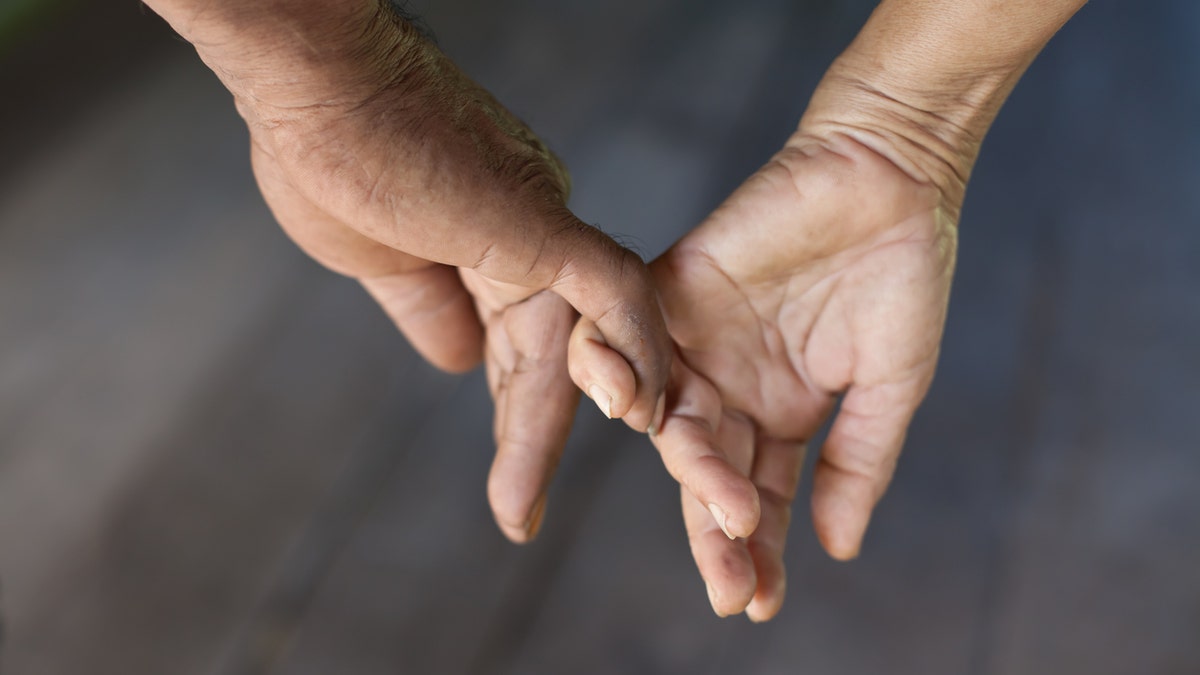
x,y
827,273
387,164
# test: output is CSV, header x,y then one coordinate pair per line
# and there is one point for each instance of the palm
x,y
826,273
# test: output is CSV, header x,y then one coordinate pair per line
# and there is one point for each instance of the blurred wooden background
x,y
217,458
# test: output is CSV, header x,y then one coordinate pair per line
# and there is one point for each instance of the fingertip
x,y
842,546
727,570
601,398
858,461
728,599
737,523
435,313
600,372
515,535
457,362
722,519
842,550
533,524
733,500
744,522
772,582
714,600
511,526
766,603
842,502
705,473
518,516
456,356
840,527
527,529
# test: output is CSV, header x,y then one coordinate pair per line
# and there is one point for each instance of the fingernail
x,y
536,514
721,517
660,409
712,599
757,615
602,399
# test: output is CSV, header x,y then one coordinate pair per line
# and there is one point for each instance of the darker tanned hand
x,y
386,163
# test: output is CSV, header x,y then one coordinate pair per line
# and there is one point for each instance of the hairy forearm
x,y
257,48
206,21
926,78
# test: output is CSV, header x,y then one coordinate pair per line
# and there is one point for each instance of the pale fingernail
x,y
534,523
602,399
721,517
660,409
712,599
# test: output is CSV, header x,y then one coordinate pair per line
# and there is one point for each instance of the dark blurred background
x,y
216,457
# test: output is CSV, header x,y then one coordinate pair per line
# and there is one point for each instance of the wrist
x,y
286,56
933,142
924,80
217,24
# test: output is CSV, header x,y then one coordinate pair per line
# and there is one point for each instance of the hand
x,y
826,273
385,163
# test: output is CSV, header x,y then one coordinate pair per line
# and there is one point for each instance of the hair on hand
x,y
403,11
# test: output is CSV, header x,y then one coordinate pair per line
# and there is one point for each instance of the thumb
x,y
460,181
609,285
